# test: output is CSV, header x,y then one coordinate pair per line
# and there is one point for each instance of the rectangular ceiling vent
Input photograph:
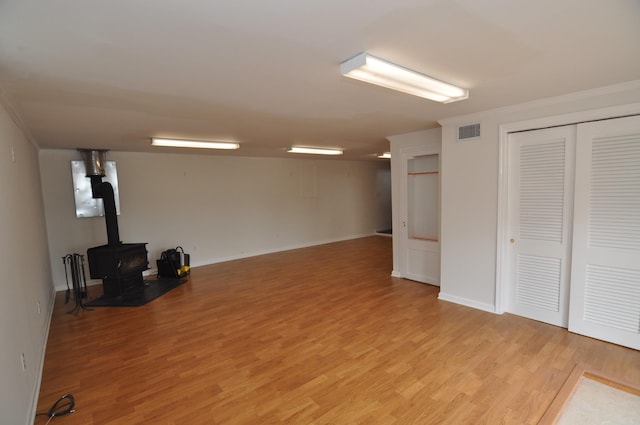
x,y
469,132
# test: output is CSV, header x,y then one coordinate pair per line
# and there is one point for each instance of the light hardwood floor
x,y
320,335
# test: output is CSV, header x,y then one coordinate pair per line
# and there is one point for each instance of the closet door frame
x,y
502,245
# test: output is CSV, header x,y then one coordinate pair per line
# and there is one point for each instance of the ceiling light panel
x,y
371,69
314,151
199,144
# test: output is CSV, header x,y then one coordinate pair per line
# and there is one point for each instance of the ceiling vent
x,y
469,132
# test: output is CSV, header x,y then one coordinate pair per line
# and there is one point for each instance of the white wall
x,y
217,207
470,188
26,275
426,139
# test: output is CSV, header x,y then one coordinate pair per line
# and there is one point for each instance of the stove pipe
x,y
94,160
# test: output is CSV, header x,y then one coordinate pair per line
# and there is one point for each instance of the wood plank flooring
x,y
320,335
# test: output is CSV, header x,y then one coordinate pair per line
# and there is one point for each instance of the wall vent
x,y
469,132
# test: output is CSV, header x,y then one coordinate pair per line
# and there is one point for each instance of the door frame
x,y
502,236
405,155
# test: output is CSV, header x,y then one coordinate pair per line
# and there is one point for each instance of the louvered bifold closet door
x,y
605,282
540,207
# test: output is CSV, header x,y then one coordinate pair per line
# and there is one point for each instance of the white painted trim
x,y
395,273
501,293
36,392
466,302
414,151
384,235
501,219
406,154
272,251
573,118
544,103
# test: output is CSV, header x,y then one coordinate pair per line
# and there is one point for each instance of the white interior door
x,y
605,285
541,169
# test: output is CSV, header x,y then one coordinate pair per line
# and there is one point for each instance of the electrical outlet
x,y
24,362
13,154
39,309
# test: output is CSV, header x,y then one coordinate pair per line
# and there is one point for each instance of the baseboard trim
x,y
467,302
47,327
274,250
395,273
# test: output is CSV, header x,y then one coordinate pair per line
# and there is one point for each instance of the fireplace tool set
x,y
74,266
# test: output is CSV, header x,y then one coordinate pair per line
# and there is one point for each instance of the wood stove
x,y
119,265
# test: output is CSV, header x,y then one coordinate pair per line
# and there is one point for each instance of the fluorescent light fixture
x,y
386,155
201,144
371,69
314,151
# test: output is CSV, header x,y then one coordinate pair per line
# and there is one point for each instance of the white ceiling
x,y
112,74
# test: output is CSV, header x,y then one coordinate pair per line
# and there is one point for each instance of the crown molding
x,y
546,102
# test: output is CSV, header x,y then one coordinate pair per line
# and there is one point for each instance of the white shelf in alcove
x,y
419,173
420,238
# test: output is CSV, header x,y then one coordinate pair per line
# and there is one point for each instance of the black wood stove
x,y
119,265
